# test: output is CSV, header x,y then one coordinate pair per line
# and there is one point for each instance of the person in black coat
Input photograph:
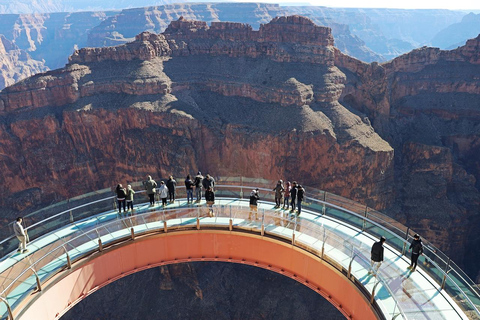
x,y
417,250
172,186
210,198
121,194
293,195
377,255
300,197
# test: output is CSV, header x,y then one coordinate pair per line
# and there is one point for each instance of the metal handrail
x,y
62,245
467,282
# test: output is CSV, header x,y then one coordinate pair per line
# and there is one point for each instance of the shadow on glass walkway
x,y
336,230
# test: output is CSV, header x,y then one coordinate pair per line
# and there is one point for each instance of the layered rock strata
x,y
278,102
426,104
16,64
223,98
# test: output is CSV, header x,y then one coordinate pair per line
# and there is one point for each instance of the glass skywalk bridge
x,y
338,231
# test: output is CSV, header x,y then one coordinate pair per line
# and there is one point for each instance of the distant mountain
x,y
16,64
387,32
50,6
458,33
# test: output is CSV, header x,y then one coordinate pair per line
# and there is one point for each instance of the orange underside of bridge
x,y
69,287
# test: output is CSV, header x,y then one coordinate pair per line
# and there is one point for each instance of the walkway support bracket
x,y
69,262
9,310
372,297
350,266
39,284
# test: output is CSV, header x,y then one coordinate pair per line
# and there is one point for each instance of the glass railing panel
x,y
227,192
312,234
53,223
459,273
152,218
344,216
82,212
461,298
8,246
313,205
392,240
388,222
82,244
50,263
20,287
280,218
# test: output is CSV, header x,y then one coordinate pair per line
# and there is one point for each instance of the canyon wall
x,y
277,102
16,64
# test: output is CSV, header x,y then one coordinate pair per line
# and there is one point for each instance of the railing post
x,y
365,220
100,245
69,262
323,242
263,222
372,297
39,285
404,250
9,310
165,227
71,216
444,281
132,234
294,228
241,187
198,218
324,209
350,264
230,222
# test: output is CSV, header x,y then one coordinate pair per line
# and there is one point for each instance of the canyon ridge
x,y
281,102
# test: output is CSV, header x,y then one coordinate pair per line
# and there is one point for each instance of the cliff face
x,y
277,102
224,98
16,64
426,104
50,36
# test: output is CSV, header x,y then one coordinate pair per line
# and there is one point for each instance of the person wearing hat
x,y
254,203
278,193
417,249
376,257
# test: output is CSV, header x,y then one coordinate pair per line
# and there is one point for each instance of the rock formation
x,y
426,105
278,102
224,98
16,64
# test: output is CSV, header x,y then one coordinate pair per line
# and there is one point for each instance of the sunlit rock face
x,y
16,64
277,102
223,98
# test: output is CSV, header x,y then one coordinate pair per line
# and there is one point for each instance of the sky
x,y
402,4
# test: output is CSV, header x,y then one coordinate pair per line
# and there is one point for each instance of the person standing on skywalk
x,y
21,235
376,258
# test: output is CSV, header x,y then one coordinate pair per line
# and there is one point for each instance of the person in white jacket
x,y
21,235
163,192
